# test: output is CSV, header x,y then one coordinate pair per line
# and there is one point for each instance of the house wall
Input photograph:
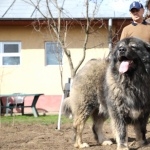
x,y
33,76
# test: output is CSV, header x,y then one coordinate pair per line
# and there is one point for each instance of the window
x,y
10,53
53,53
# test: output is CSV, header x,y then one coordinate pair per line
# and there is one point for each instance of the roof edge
x,y
105,18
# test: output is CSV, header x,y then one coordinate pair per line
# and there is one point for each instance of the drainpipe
x,y
110,34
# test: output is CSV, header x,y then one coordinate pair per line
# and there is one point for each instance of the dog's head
x,y
131,54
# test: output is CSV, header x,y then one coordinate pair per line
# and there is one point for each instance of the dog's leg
x,y
119,129
78,125
140,131
98,121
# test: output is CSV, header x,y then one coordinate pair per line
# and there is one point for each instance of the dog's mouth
x,y
125,64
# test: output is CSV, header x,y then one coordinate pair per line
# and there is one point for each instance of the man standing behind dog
x,y
139,28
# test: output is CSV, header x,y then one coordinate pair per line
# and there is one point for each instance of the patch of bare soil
x,y
47,137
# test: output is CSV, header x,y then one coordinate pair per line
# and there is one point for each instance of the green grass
x,y
47,119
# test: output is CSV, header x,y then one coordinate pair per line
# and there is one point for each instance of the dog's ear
x,y
146,57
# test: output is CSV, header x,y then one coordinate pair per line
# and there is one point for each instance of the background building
x,y
27,61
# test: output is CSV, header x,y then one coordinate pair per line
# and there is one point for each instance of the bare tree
x,y
147,14
60,26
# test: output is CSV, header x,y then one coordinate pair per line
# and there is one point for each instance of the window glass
x,y
11,61
11,48
53,53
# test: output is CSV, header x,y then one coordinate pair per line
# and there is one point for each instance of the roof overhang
x,y
31,21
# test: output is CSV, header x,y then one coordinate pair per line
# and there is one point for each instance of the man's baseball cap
x,y
136,5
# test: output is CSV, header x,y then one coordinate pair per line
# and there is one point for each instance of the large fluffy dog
x,y
118,87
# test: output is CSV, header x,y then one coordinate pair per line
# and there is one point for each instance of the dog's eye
x,y
133,47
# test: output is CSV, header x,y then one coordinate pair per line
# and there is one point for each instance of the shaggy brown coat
x,y
101,88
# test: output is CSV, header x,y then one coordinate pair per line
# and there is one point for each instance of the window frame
x,y
15,54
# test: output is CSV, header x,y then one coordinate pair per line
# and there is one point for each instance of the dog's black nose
x,y
122,49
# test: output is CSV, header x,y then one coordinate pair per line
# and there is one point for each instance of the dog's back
x,y
87,87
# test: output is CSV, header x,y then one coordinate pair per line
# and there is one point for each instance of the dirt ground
x,y
47,137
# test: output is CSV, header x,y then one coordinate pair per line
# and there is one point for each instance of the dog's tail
x,y
66,107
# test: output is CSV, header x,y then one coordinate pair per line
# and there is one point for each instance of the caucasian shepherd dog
x,y
118,88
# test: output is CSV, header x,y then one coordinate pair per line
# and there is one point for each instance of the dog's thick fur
x,y
101,88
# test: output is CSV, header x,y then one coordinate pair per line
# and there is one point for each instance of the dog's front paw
x,y
83,145
107,142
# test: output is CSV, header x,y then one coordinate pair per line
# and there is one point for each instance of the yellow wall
x,y
32,76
